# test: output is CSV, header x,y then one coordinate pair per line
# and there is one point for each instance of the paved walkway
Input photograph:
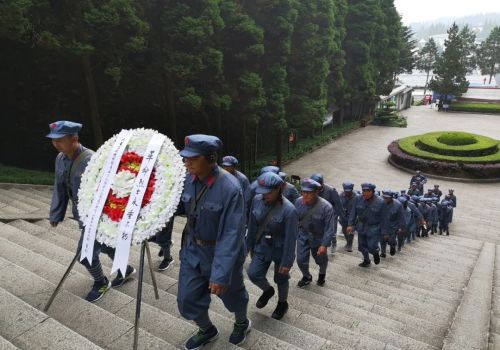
x,y
362,156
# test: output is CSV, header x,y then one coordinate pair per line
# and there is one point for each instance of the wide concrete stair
x,y
419,299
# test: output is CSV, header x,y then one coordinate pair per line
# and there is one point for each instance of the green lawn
x,y
476,107
24,176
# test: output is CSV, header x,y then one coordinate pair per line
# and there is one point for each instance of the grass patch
x,y
427,146
456,143
476,107
12,174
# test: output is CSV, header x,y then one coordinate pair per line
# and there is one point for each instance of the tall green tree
x,y
361,26
488,54
336,83
469,48
99,35
451,68
277,19
427,58
407,57
242,44
309,65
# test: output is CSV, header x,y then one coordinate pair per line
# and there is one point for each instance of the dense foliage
x,y
251,72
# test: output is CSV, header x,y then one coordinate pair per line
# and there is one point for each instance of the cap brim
x,y
262,190
227,164
54,135
307,189
189,152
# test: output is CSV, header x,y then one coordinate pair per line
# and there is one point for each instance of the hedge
x,y
476,107
444,168
460,144
409,145
12,174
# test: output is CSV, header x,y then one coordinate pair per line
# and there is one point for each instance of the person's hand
x,y
322,250
386,237
283,270
349,229
54,223
216,289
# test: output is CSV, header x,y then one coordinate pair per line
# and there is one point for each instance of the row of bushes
x,y
411,144
476,107
459,144
443,168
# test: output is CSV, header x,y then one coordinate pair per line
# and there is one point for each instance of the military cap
x,y
309,185
267,182
270,168
229,161
63,128
199,144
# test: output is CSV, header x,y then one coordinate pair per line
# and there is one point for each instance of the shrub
x,y
459,144
445,168
476,107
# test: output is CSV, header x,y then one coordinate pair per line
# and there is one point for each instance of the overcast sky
x,y
428,10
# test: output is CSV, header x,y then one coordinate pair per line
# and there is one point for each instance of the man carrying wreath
x,y
69,167
213,251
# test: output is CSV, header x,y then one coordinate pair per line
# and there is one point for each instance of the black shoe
x,y
348,248
321,280
440,231
240,332
165,264
201,338
305,281
120,280
280,310
376,258
365,263
98,290
383,255
160,253
447,233
393,250
264,298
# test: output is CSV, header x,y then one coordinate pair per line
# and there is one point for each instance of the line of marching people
x,y
270,220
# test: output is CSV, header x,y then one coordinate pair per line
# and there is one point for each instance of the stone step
x,y
174,273
494,339
24,327
387,322
18,201
90,321
26,226
26,198
54,272
6,345
31,194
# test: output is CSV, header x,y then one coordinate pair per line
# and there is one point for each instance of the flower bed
x,y
468,156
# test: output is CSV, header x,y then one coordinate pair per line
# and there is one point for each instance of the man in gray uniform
x,y
229,163
366,217
393,223
69,167
348,198
272,237
332,196
316,231
213,249
289,190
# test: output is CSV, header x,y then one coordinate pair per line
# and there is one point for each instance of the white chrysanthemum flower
x,y
123,183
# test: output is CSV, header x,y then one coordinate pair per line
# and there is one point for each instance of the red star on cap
x,y
262,182
53,125
186,140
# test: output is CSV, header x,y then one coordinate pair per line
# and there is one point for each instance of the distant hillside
x,y
482,23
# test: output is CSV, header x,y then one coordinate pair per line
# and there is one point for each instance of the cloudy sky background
x,y
428,10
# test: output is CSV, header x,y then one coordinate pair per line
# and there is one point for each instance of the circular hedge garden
x,y
449,153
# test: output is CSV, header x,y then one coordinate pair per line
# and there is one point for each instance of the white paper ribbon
x,y
108,174
127,224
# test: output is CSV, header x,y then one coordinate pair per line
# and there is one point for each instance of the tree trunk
x,y
426,82
170,114
95,118
492,72
279,147
341,118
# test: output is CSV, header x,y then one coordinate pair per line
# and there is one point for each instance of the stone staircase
x,y
425,297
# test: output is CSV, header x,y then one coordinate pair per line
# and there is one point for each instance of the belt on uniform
x,y
202,243
372,224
